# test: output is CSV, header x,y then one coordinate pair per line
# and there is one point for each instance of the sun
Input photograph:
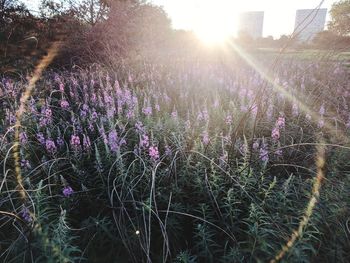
x,y
213,24
212,32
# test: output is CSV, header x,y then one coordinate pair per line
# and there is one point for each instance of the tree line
x,y
109,30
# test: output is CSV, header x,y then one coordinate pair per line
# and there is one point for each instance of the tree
x,y
15,22
340,13
136,26
89,11
325,39
8,10
331,41
51,8
9,6
283,40
126,28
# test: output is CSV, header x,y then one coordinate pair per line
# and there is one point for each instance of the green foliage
x,y
53,238
209,197
340,22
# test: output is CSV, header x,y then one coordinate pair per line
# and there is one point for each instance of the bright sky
x,y
279,14
200,14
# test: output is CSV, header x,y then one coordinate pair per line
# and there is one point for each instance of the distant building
x,y
309,22
251,23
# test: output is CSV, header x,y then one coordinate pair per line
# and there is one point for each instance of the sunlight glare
x,y
214,23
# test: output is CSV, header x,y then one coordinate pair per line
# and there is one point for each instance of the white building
x,y
308,22
251,23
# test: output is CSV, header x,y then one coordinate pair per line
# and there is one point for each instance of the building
x,y
308,22
251,23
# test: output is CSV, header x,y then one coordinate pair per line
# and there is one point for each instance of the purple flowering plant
x,y
221,139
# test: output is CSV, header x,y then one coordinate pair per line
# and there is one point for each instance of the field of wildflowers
x,y
180,162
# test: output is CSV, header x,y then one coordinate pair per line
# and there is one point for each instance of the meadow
x,y
178,161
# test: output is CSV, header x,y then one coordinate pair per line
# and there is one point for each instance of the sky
x,y
187,14
279,15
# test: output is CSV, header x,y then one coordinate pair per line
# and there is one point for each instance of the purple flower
x,y
10,117
275,134
130,114
94,115
46,117
263,153
203,116
40,137
57,78
75,142
279,152
153,153
48,113
23,137
107,98
91,127
139,127
281,122
86,142
93,97
50,146
167,150
147,111
43,122
25,214
64,104
60,142
243,148
103,135
122,141
25,164
174,114
32,106
83,113
84,110
144,141
110,112
67,191
113,141
61,87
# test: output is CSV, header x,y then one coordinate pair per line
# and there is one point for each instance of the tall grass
x,y
179,162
